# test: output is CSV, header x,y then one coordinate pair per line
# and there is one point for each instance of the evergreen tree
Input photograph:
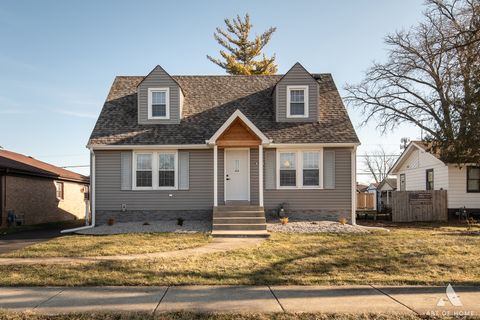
x,y
241,54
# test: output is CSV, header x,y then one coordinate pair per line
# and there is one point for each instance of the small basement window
x,y
473,179
297,101
159,103
60,190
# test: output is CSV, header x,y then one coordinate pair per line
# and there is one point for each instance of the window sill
x,y
154,189
299,188
158,118
297,117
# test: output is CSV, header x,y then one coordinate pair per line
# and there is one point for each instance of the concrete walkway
x,y
216,245
248,299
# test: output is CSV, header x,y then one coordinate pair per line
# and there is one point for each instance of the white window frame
x,y
57,183
167,103
299,168
305,101
155,169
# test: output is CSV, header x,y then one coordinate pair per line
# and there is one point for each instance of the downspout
x,y
354,185
92,197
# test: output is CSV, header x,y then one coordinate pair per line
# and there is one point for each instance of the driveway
x,y
15,241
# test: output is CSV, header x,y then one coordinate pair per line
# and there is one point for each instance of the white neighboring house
x,y
419,170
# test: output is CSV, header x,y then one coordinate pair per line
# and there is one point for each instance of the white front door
x,y
236,174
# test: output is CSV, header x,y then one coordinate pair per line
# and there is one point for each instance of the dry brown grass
x,y
428,255
202,316
135,243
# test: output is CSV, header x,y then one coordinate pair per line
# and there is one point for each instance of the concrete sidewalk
x,y
258,299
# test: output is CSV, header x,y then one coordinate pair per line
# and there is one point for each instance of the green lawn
x,y
429,254
200,316
83,245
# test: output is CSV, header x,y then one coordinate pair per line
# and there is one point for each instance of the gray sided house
x,y
199,147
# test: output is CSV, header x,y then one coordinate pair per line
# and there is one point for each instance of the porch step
x,y
240,234
237,208
232,214
243,227
239,220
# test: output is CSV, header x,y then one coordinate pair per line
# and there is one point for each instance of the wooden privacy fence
x,y
365,201
408,206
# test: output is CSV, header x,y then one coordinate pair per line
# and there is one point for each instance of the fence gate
x,y
365,201
408,206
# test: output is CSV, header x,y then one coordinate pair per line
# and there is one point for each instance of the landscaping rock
x,y
314,226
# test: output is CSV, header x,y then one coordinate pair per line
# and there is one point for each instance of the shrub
x,y
111,221
343,220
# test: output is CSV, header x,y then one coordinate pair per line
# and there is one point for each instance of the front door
x,y
236,174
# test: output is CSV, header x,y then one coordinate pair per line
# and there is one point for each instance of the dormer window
x,y
297,101
158,103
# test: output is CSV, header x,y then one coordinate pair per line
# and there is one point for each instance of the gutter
x,y
92,198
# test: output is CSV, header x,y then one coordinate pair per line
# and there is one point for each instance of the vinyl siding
x,y
296,76
158,78
415,168
458,197
109,195
326,199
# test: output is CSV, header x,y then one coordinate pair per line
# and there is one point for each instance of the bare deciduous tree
x,y
431,79
378,163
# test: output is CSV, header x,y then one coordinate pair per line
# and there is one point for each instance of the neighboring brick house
x,y
186,146
36,192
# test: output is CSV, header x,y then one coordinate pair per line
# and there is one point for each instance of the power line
x,y
79,166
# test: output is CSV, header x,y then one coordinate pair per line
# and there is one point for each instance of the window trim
x,y
299,169
60,183
426,179
167,103
155,169
305,101
468,178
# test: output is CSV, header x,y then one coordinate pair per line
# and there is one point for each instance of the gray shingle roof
x,y
209,101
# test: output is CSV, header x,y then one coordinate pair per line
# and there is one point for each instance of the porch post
x,y
215,176
260,175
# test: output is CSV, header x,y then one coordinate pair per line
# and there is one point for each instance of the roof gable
x,y
414,146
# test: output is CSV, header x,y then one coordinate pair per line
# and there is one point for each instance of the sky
x,y
58,58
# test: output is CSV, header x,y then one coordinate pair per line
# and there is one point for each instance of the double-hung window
x,y
288,169
297,101
299,169
166,170
144,171
473,179
158,103
155,170
311,169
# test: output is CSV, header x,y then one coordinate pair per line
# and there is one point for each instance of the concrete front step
x,y
240,234
231,214
239,220
237,208
240,227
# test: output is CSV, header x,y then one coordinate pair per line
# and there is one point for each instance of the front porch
x,y
238,206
